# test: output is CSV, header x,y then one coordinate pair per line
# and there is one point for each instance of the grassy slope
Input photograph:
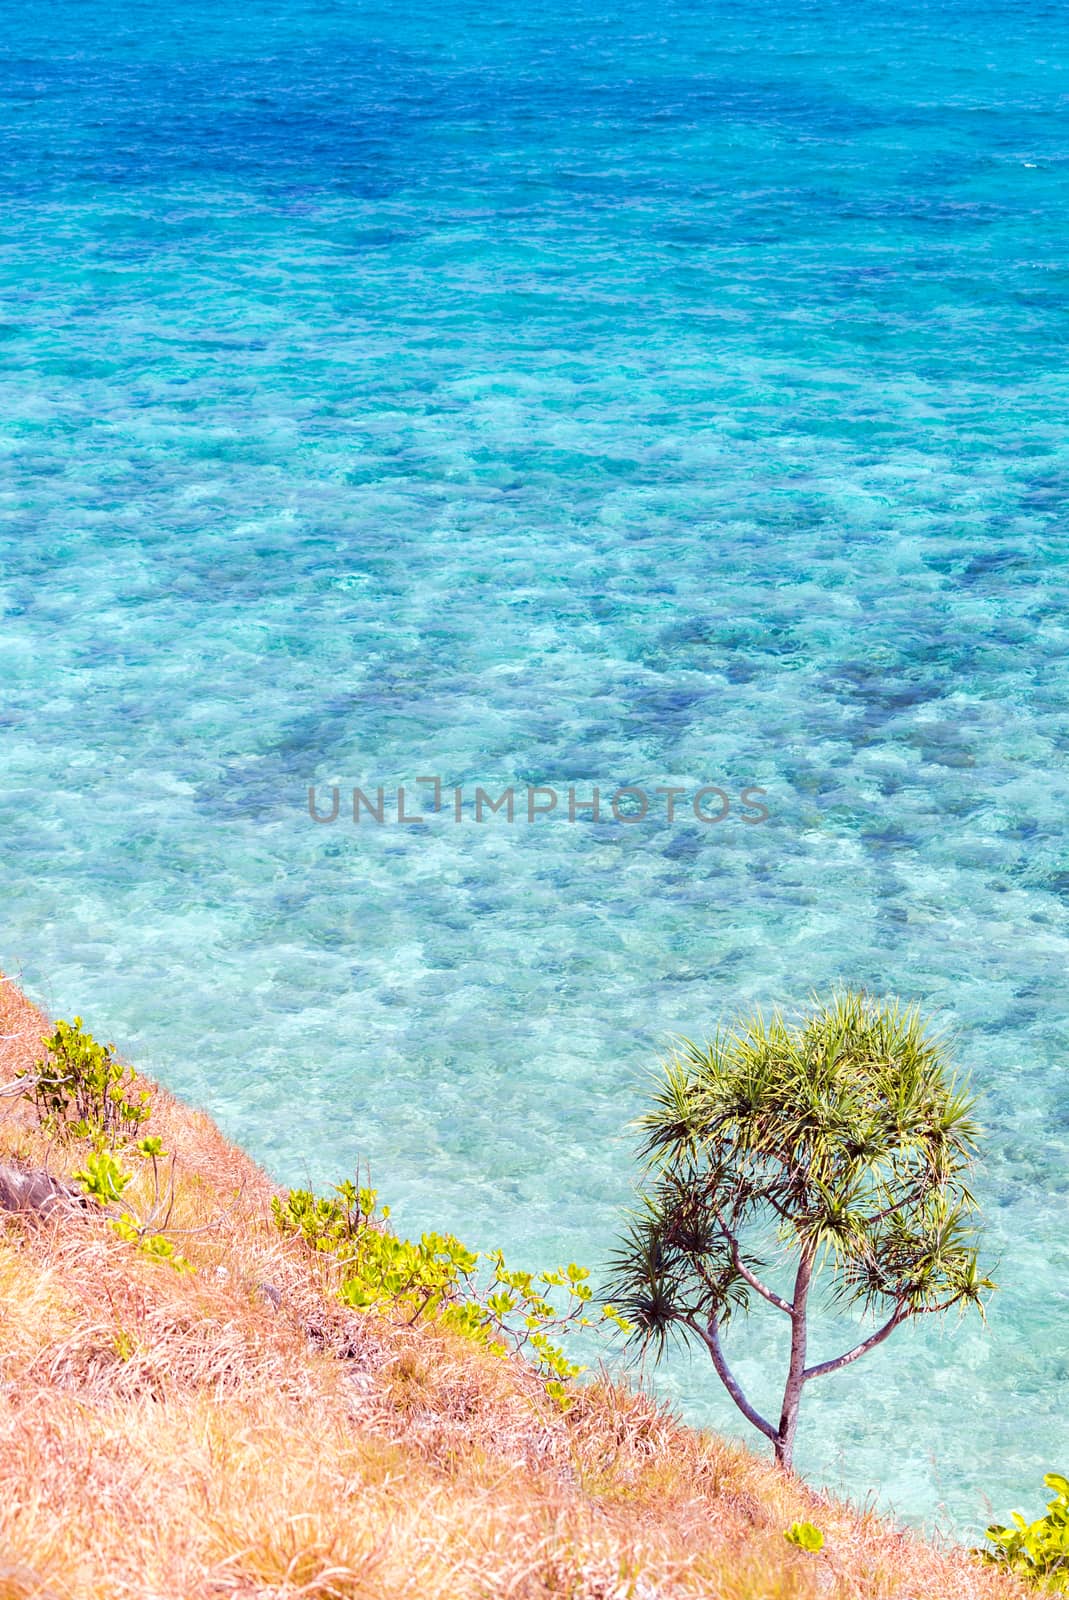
x,y
173,1436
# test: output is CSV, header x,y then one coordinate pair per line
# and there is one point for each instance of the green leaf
x,y
102,1177
559,1394
806,1535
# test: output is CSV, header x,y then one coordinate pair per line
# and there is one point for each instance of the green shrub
x,y
1037,1551
81,1091
438,1279
106,1181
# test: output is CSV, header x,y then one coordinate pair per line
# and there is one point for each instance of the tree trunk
x,y
792,1393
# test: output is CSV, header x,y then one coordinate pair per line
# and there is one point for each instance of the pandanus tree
x,y
833,1149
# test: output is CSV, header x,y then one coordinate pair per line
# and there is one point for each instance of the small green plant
x,y
103,1179
159,1248
1036,1551
81,1091
806,1535
438,1279
124,1344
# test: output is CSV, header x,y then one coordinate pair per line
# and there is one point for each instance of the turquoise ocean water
x,y
565,395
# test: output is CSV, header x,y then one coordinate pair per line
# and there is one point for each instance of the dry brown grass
x,y
180,1436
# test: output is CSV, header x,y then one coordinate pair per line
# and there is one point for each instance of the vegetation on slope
x,y
238,1430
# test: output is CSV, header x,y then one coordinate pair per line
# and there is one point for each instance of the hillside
x,y
237,1431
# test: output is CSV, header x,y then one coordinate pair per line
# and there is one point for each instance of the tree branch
x,y
744,1272
792,1390
900,1313
710,1336
924,1184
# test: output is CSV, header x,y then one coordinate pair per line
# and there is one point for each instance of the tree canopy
x,y
838,1143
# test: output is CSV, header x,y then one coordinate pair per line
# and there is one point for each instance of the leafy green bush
x,y
438,1279
81,1091
1037,1551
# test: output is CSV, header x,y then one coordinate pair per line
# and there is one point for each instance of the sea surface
x,y
655,395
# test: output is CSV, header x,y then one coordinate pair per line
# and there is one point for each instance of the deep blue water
x,y
561,395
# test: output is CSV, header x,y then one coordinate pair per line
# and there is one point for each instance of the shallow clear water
x,y
552,395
